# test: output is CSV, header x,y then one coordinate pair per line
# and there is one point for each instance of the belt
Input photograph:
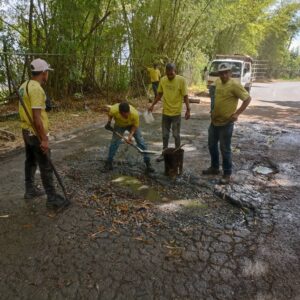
x,y
30,133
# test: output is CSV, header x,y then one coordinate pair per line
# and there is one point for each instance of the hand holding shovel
x,y
129,140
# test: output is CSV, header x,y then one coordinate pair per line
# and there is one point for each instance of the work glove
x,y
108,126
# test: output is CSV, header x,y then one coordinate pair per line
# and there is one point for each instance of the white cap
x,y
224,67
40,65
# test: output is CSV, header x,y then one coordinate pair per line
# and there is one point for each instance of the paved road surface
x,y
129,235
277,94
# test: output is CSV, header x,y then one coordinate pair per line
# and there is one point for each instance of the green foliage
x,y
104,44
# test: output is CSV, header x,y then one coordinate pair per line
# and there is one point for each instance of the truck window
x,y
246,69
236,68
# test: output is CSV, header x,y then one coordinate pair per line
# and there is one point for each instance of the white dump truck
x,y
241,69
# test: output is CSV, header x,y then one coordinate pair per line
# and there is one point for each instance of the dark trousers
x,y
116,141
167,123
223,135
155,87
35,157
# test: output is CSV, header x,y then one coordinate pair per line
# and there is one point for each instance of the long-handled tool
x,y
39,138
178,148
175,150
134,146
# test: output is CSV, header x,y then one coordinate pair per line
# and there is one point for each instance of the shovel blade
x,y
149,152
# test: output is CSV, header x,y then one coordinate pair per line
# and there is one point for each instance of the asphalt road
x,y
131,235
277,94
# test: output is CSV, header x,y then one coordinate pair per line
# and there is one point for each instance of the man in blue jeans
x,y
126,117
223,115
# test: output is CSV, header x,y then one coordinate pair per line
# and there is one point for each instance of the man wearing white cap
x,y
223,115
34,99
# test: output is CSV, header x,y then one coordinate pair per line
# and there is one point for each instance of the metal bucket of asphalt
x,y
173,161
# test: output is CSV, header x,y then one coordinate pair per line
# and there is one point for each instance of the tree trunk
x,y
8,75
30,32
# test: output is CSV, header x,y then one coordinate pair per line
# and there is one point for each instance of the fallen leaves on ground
x,y
100,230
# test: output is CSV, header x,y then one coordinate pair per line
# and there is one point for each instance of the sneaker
x,y
225,179
108,166
33,193
57,202
211,171
149,167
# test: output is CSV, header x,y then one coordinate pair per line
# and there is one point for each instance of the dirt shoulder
x,y
62,120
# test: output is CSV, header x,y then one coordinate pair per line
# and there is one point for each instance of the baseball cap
x,y
224,67
40,65
170,66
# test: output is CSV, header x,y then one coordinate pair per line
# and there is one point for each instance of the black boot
x,y
56,202
211,171
32,192
108,166
149,167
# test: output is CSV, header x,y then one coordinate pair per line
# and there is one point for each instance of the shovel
x,y
134,146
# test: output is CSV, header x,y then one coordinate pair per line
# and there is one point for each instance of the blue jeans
x,y
116,141
223,135
155,87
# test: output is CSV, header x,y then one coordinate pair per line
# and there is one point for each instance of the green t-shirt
x,y
173,94
227,96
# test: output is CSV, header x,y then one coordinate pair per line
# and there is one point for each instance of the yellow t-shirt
x,y
35,99
173,93
154,74
226,101
133,119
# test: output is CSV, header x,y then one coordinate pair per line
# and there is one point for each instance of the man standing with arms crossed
x,y
223,115
173,89
34,99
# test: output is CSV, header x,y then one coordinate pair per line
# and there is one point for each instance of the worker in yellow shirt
x,y
155,75
173,89
126,117
223,115
34,99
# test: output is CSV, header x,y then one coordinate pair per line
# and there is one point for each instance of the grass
x,y
288,79
198,88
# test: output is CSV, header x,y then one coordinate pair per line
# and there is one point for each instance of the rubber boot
x,y
32,192
149,167
54,200
108,166
57,202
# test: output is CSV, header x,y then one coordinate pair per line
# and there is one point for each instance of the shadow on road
x,y
272,114
291,104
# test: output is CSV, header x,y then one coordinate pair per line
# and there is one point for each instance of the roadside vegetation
x,y
103,46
